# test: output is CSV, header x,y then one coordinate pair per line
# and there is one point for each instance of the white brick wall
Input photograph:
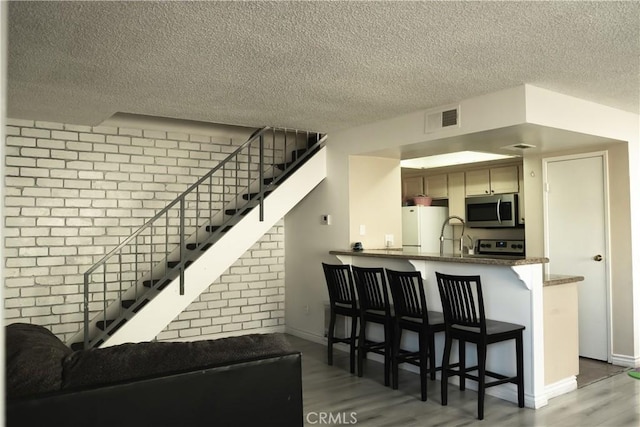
x,y
72,193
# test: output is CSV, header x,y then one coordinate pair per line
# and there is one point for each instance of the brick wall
x,y
72,193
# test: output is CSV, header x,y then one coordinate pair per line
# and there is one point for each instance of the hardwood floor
x,y
332,396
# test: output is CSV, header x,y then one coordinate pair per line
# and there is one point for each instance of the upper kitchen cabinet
x,y
499,180
412,186
456,194
436,186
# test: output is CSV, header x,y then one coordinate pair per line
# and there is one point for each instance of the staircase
x,y
137,289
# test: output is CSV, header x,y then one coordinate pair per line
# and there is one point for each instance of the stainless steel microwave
x,y
499,210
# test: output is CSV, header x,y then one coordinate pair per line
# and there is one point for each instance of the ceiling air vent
x,y
442,119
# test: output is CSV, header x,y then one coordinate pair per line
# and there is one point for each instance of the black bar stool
x,y
375,307
412,314
343,302
465,321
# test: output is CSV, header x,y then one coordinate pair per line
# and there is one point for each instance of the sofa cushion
x,y
129,361
33,360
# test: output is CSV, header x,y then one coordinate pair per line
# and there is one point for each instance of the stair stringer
x,y
168,304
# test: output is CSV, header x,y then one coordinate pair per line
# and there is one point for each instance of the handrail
x,y
130,250
176,200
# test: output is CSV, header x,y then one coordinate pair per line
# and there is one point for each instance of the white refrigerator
x,y
421,227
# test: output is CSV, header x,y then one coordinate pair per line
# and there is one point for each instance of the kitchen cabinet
x,y
455,184
477,182
500,180
412,186
436,186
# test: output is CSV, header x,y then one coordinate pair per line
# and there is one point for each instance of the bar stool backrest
x,y
371,285
340,284
462,301
407,291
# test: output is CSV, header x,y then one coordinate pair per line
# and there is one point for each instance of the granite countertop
x,y
560,279
468,259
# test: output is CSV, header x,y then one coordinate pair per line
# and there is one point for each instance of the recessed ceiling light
x,y
450,159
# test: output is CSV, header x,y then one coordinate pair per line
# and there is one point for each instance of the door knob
x,y
597,258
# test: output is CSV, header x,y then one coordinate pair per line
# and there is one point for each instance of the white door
x,y
576,227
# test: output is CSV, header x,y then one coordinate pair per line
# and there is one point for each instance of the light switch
x,y
325,219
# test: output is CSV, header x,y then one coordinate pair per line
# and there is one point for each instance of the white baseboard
x,y
318,339
561,387
624,360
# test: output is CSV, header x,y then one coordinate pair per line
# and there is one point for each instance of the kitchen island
x,y
513,292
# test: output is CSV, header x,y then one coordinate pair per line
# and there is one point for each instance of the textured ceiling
x,y
310,65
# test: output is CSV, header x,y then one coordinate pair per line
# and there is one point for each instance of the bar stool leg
x,y
462,363
332,325
394,358
361,342
423,344
444,380
432,356
352,342
520,369
482,361
388,343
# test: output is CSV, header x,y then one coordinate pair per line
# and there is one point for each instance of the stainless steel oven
x,y
500,210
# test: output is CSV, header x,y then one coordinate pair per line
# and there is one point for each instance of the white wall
x,y
308,242
524,104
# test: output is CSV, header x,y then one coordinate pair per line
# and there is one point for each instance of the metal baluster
x,y
166,244
235,191
273,150
86,311
249,173
261,176
210,199
120,284
284,154
196,213
104,296
135,261
224,190
183,245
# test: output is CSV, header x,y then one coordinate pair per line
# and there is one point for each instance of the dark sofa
x,y
250,380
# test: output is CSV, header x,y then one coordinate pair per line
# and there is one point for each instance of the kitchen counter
x,y
513,290
560,279
423,256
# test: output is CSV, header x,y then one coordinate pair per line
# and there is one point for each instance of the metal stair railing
x,y
188,220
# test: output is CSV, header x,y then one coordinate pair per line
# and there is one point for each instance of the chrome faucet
x,y
442,238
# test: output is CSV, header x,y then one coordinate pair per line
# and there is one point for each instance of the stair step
x,y
76,346
129,302
313,138
174,264
296,154
212,228
253,196
268,181
102,325
283,166
242,211
152,283
192,246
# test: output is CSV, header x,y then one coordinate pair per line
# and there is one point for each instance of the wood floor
x,y
331,393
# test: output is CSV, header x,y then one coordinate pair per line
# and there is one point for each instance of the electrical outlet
x,y
388,240
325,219
363,230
